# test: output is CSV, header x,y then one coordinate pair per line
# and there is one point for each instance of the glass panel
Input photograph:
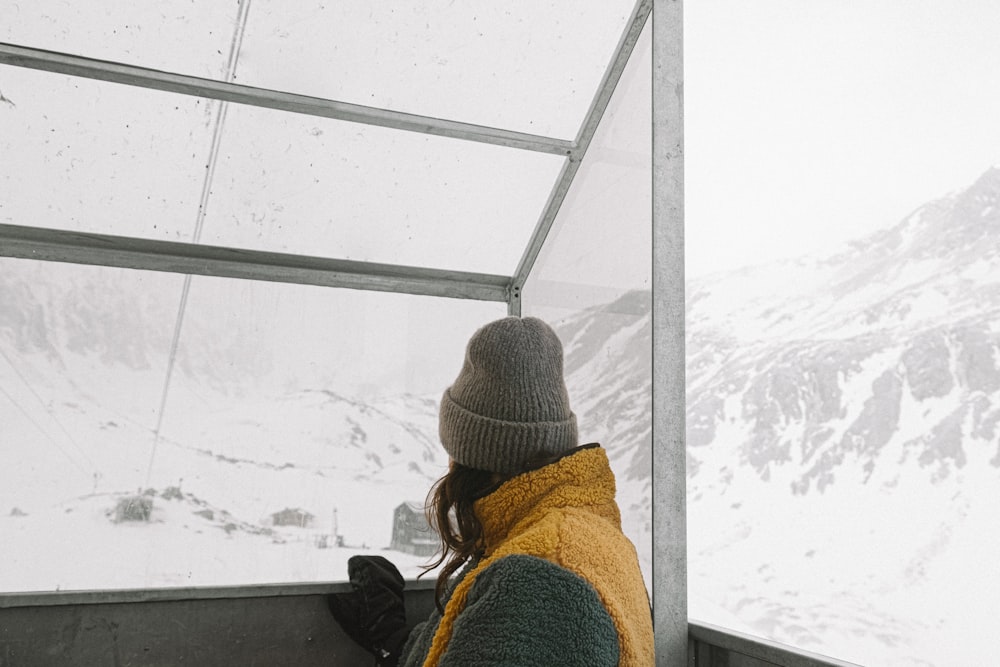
x,y
526,65
297,420
174,35
592,282
99,157
92,156
316,186
843,379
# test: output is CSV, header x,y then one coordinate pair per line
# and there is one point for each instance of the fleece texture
x,y
553,545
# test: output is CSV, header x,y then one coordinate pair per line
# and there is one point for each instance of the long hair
x,y
450,509
451,512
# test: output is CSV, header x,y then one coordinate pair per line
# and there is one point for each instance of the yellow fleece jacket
x,y
564,513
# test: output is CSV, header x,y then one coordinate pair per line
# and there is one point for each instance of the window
x,y
170,421
287,420
842,352
592,280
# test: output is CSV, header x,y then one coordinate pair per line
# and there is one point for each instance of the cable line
x,y
206,188
48,411
43,432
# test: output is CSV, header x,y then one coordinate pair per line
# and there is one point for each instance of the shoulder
x,y
525,610
536,580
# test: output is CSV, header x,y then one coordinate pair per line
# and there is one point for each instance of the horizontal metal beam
x,y
142,595
761,649
593,118
190,258
90,68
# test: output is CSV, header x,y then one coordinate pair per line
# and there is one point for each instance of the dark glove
x,y
372,614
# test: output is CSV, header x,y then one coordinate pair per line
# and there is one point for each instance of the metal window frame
x,y
669,478
144,77
206,260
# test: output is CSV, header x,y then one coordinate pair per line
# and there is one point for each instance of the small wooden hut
x,y
411,532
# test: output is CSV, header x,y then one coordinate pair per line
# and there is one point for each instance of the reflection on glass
x,y
592,282
296,420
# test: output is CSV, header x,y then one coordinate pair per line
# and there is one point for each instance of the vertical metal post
x,y
514,299
669,469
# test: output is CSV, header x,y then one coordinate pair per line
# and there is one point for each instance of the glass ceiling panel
x,y
599,246
174,35
294,183
524,65
92,156
592,280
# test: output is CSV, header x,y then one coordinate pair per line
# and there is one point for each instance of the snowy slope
x,y
82,365
843,445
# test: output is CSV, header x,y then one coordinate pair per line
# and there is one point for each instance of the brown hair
x,y
461,534
450,509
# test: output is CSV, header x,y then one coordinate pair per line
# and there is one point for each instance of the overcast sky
x,y
810,123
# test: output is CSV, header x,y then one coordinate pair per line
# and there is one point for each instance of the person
x,y
536,569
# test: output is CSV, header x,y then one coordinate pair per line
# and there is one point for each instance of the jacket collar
x,y
581,480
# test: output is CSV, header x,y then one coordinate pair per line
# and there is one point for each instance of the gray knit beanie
x,y
509,403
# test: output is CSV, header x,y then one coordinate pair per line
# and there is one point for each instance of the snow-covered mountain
x,y
843,445
828,359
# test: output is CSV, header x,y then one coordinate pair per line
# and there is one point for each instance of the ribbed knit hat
x,y
509,404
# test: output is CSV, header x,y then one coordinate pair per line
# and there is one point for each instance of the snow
x,y
862,572
892,562
73,545
238,459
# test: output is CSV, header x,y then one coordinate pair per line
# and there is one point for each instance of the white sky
x,y
810,123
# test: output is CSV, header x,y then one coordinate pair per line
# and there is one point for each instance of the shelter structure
x,y
242,242
241,158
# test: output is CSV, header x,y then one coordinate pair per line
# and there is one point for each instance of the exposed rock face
x,y
900,326
809,367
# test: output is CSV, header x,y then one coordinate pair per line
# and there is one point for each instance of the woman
x,y
529,521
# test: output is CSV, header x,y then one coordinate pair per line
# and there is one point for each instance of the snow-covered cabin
x,y
410,531
292,516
